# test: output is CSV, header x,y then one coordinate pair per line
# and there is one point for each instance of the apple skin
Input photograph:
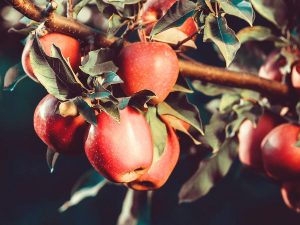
x,y
250,139
69,47
148,65
62,134
290,192
280,156
295,77
161,168
271,68
123,151
153,10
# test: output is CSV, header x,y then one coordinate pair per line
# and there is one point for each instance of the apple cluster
x,y
271,146
123,152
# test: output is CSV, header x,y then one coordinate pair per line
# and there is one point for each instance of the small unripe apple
x,y
153,10
69,46
250,139
62,134
271,68
281,156
161,167
290,192
148,65
123,151
295,77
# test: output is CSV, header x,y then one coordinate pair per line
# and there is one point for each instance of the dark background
x,y
30,195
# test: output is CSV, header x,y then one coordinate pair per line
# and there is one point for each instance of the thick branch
x,y
212,74
221,76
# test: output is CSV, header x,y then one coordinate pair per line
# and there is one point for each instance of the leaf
x,y
111,78
217,31
111,109
239,8
172,36
51,158
210,89
85,110
210,172
183,111
54,73
87,186
179,12
80,5
158,130
275,11
13,76
139,100
227,101
134,204
256,33
115,23
181,88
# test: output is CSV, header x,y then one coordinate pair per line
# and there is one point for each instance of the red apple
x,y
280,156
123,151
69,47
63,134
250,139
148,65
153,10
295,77
271,68
290,192
162,167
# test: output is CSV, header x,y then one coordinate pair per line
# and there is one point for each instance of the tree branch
x,y
57,23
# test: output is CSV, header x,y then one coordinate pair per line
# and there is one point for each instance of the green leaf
x,y
256,33
51,158
111,108
228,100
175,16
217,31
110,78
80,5
158,130
180,88
275,11
239,8
115,23
13,76
182,110
54,73
210,89
139,100
98,62
85,110
88,185
209,173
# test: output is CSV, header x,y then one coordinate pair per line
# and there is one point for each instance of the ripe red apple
x,y
153,10
250,139
295,77
271,68
161,167
280,156
63,134
290,192
69,47
123,151
148,65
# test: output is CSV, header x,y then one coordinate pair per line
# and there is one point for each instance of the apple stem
x,y
212,74
70,9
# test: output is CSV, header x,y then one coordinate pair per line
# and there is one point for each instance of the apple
x,y
62,134
123,151
290,192
161,167
295,77
69,47
148,65
271,68
250,139
153,10
281,156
